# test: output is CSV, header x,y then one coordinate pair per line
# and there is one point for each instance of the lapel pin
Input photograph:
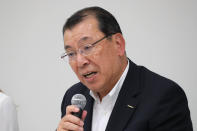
x,y
130,106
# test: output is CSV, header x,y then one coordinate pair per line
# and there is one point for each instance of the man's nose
x,y
81,60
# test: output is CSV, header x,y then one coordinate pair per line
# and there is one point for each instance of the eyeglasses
x,y
85,50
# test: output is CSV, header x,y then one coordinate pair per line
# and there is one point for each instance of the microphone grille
x,y
79,100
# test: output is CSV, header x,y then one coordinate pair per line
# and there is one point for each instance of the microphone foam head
x,y
79,100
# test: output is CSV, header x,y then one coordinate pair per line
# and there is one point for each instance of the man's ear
x,y
120,44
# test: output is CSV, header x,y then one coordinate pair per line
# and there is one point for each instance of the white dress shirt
x,y
8,116
102,109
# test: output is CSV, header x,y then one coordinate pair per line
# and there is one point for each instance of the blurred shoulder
x,y
157,84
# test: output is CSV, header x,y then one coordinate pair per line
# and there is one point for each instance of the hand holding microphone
x,y
75,115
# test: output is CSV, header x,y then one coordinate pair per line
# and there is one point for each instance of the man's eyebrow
x,y
67,47
80,41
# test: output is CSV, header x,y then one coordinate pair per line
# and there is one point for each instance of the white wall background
x,y
160,34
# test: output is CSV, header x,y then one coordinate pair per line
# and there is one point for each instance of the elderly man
x,y
120,95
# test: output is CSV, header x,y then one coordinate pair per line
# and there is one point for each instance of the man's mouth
x,y
89,74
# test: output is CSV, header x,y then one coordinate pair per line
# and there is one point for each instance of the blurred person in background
x,y
8,114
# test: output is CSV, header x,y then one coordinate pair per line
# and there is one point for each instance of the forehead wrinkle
x,y
83,39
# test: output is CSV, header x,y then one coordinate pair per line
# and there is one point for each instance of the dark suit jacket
x,y
146,102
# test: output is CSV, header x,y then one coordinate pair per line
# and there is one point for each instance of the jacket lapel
x,y
127,100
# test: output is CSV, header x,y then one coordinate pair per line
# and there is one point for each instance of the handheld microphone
x,y
78,100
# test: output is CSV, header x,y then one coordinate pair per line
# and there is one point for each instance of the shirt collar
x,y
115,91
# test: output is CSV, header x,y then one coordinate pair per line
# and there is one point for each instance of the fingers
x,y
71,122
71,109
72,119
68,126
